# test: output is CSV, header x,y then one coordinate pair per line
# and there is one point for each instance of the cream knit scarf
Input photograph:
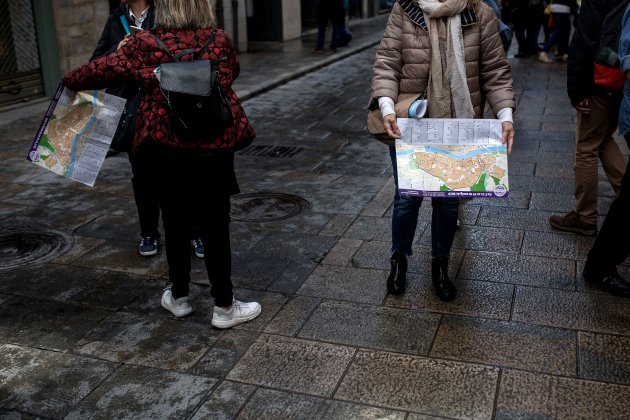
x,y
447,75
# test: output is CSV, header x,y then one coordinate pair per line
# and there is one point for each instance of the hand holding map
x,y
451,158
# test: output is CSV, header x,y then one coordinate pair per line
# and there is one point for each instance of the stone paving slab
x,y
46,324
271,404
506,344
294,365
226,401
123,257
346,283
549,244
604,357
134,339
572,310
292,316
475,298
51,281
46,383
524,395
144,393
518,269
392,329
422,385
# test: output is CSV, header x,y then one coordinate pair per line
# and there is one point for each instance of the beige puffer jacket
x,y
402,60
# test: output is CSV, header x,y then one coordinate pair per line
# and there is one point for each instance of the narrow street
x,y
82,333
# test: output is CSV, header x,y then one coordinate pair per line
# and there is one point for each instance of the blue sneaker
x,y
148,246
199,249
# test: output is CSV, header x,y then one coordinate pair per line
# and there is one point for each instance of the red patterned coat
x,y
137,60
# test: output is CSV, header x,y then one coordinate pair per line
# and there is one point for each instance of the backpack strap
x,y
182,53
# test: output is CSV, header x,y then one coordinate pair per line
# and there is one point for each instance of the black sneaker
x,y
148,246
611,282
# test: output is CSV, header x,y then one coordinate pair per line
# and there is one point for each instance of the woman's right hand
x,y
123,42
390,125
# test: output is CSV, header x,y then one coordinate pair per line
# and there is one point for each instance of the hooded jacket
x,y
403,57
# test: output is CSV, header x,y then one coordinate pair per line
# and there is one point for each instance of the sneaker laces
x,y
197,242
146,240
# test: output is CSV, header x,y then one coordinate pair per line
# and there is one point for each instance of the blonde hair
x,y
184,14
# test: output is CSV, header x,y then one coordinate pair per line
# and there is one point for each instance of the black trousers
x,y
190,186
144,192
612,245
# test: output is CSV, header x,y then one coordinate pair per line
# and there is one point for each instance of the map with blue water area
x,y
452,158
75,134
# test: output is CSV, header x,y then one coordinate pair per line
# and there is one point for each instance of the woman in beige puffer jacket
x,y
451,50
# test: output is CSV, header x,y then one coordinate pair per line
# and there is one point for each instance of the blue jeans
x,y
405,220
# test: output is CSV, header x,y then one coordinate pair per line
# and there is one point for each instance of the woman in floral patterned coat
x,y
193,174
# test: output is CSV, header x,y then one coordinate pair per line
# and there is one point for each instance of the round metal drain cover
x,y
23,248
266,206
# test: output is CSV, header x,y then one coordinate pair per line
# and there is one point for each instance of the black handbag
x,y
123,138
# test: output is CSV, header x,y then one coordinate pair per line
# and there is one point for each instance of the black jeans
x,y
612,245
192,185
143,182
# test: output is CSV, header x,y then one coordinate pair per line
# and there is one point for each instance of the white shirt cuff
x,y
386,104
505,115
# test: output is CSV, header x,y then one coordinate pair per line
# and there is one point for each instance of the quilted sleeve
x,y
388,63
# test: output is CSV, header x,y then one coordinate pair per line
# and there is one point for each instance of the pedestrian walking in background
x,y
330,12
612,245
561,14
597,112
184,165
527,22
451,50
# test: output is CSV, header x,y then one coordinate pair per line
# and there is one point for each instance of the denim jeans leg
x,y
443,225
404,216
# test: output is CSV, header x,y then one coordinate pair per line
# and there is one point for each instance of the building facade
x,y
44,39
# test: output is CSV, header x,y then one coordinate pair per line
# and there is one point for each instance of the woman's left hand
x,y
507,135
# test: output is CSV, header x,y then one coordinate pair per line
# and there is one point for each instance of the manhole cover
x,y
24,248
266,206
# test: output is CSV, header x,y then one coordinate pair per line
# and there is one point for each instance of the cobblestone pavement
x,y
82,334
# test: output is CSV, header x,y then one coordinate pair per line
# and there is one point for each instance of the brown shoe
x,y
571,222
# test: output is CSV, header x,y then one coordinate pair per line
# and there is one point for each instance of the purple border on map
x,y
453,194
42,126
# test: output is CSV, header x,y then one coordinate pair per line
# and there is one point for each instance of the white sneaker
x,y
544,57
178,307
238,313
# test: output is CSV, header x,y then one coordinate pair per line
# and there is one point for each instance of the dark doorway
x,y
264,20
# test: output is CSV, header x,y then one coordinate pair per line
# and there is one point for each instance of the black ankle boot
x,y
444,288
397,280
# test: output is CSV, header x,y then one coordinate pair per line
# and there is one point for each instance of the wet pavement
x,y
82,333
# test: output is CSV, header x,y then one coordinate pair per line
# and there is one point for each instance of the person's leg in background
x,y
143,182
612,246
594,141
534,22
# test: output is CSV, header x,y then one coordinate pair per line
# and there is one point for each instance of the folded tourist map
x,y
451,158
75,134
